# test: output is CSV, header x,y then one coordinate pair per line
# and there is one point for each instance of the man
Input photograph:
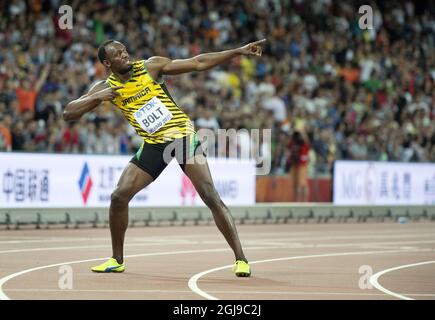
x,y
299,147
5,132
27,94
138,90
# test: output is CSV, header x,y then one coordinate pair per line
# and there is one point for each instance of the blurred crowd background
x,y
349,93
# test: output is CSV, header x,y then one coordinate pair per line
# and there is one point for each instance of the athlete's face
x,y
118,59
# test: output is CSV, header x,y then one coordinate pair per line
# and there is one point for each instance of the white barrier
x,y
67,181
260,213
383,183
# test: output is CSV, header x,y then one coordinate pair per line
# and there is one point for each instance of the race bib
x,y
152,115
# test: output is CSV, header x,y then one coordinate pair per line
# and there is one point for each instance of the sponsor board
x,y
383,183
55,180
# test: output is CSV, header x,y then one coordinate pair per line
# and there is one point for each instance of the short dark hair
x,y
102,53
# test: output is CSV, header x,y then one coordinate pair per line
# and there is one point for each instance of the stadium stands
x,y
360,94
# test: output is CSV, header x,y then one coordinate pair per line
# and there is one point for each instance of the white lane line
x,y
90,240
50,240
316,293
143,244
218,291
417,234
190,242
350,237
374,279
193,281
5,279
220,242
325,245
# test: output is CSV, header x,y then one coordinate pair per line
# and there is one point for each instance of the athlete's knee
x,y
209,195
119,197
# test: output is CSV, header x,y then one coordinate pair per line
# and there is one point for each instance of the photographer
x,y
299,148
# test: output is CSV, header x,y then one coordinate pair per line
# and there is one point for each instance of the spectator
x,y
374,89
89,138
18,136
274,103
71,138
5,133
358,148
26,93
299,147
207,120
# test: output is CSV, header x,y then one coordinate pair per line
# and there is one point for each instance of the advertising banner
x,y
59,180
383,183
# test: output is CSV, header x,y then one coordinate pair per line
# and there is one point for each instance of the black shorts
x,y
153,158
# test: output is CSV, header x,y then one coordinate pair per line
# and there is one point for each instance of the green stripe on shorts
x,y
193,144
139,152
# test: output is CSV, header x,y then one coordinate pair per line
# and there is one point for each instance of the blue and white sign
x,y
29,180
383,183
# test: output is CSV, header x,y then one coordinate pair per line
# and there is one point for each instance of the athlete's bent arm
x,y
100,92
164,66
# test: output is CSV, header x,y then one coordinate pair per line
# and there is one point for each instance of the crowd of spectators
x,y
357,94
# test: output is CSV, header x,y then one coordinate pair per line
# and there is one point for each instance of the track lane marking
x,y
374,279
217,291
3,280
193,281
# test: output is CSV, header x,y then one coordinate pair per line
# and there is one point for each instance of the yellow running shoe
x,y
242,269
110,265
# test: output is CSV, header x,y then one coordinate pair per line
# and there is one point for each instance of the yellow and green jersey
x,y
149,108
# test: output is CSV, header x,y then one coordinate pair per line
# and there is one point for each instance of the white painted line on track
x,y
374,279
150,239
217,291
221,242
5,279
91,247
306,236
193,281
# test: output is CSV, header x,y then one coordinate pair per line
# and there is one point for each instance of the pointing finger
x,y
260,41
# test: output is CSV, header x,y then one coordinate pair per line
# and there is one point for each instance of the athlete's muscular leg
x,y
199,174
133,179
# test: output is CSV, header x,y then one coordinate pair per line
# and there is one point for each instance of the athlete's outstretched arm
x,y
98,93
161,66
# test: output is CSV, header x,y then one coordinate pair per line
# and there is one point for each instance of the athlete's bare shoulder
x,y
155,64
157,60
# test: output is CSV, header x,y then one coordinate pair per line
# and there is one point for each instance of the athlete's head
x,y
114,56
